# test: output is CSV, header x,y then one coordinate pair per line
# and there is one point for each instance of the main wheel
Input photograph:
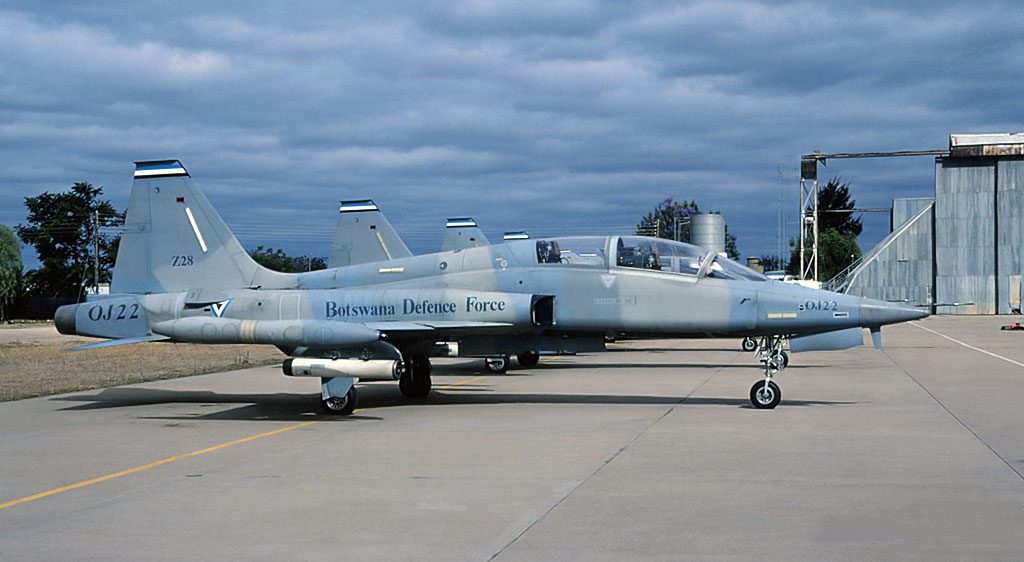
x,y
765,397
528,359
780,360
415,381
497,365
341,405
749,344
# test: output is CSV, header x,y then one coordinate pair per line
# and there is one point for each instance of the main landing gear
x,y
338,395
765,395
528,358
501,363
415,379
498,364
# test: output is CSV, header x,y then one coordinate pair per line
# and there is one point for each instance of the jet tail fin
x,y
174,240
462,233
364,235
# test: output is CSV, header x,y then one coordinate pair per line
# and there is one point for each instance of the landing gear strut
x,y
415,379
765,395
769,350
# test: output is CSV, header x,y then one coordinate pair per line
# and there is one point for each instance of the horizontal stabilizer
x,y
197,298
828,341
122,341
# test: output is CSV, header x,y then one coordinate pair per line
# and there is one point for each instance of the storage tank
x,y
708,231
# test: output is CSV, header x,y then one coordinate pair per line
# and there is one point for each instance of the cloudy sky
x,y
570,117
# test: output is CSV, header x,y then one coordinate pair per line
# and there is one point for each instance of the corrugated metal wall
x,y
1010,235
903,271
965,236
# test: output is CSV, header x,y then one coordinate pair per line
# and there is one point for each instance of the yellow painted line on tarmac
x,y
169,460
154,464
460,383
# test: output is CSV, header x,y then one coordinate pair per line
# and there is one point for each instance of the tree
x,y
277,260
671,220
62,228
836,251
772,262
10,268
834,200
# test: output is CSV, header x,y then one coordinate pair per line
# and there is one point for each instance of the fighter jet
x,y
180,275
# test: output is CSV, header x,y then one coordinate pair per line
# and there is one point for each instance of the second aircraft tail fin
x,y
462,233
364,235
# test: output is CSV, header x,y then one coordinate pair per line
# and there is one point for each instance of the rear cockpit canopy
x,y
579,251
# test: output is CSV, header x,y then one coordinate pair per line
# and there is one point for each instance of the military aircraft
x,y
180,275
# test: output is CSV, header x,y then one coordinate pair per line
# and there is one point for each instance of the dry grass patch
x,y
31,367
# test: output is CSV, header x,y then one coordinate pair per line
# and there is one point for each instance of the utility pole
x,y
96,251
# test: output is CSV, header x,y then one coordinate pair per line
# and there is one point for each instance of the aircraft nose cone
x,y
879,313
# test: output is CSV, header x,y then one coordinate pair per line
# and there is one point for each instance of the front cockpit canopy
x,y
677,257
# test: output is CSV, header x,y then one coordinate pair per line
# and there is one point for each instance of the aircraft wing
x,y
434,326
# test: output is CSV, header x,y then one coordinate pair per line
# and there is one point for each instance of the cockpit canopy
x,y
639,252
677,257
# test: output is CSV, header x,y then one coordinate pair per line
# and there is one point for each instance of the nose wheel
x,y
765,395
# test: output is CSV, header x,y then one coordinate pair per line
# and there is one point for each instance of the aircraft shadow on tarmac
x,y
300,407
468,368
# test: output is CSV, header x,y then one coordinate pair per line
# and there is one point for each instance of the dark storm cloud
x,y
572,117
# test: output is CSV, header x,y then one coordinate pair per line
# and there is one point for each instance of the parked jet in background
x,y
181,275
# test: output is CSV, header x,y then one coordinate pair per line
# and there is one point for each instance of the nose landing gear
x,y
765,395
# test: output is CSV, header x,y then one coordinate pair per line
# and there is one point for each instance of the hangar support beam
x,y
809,190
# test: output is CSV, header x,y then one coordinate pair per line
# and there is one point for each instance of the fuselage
x,y
634,285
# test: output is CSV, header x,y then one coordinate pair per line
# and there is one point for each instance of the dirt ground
x,y
33,363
